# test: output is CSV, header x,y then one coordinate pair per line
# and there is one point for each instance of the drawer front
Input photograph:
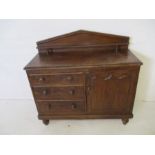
x,y
57,79
61,107
110,74
59,93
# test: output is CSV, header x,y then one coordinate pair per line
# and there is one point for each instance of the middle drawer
x,y
59,93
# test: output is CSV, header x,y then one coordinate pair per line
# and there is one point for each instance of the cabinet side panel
x,y
133,88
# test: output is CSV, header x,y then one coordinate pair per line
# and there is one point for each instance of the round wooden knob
x,y
69,78
44,92
74,106
41,79
93,77
72,92
49,106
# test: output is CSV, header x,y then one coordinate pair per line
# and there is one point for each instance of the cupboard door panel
x,y
109,92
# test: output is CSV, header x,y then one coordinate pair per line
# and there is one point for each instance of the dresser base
x,y
46,118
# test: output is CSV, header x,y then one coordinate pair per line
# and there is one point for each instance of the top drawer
x,y
57,79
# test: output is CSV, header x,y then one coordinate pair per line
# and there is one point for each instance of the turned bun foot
x,y
46,121
125,120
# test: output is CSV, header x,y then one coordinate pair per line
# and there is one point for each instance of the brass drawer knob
x,y
44,92
74,106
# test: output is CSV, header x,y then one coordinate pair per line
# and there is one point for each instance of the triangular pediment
x,y
82,38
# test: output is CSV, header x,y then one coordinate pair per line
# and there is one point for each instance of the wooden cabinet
x,y
84,75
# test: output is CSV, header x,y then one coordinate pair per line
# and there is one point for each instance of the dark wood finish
x,y
84,75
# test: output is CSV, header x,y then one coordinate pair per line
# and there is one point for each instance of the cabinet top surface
x,y
82,59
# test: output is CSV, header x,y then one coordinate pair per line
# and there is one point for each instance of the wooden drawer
x,y
59,93
111,74
57,79
61,107
116,74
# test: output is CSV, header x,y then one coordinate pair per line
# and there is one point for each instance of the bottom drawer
x,y
61,107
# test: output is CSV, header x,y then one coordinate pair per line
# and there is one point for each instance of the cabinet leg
x,y
46,121
125,120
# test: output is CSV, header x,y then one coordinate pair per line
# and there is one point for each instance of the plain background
x,y
18,46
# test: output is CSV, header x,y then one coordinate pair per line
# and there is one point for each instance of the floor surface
x,y
20,117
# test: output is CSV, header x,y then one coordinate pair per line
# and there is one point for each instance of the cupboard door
x,y
109,92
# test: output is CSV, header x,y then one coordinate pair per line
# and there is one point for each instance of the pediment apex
x,y
82,38
80,32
